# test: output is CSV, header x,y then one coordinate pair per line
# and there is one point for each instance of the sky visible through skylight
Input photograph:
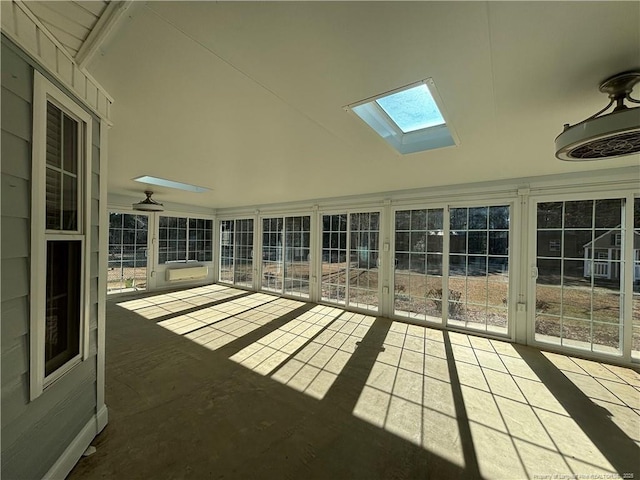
x,y
412,109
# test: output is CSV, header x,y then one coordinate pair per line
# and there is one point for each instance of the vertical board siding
x,y
34,433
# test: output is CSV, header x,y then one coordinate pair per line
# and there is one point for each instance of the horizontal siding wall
x,y
34,434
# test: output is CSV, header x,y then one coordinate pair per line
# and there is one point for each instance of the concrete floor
x,y
216,382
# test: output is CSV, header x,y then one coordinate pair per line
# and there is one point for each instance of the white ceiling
x,y
247,98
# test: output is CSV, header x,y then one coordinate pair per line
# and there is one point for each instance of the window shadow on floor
x,y
594,420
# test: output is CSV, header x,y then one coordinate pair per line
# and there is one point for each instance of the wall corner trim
x,y
74,451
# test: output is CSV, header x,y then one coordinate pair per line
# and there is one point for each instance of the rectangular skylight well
x,y
409,118
161,182
412,109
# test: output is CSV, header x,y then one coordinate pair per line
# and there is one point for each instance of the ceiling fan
x,y
610,135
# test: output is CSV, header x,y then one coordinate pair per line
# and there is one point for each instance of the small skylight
x,y
409,118
412,109
170,184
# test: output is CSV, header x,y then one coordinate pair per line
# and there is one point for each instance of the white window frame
x,y
258,252
617,239
220,244
595,194
150,252
348,211
44,91
513,258
187,217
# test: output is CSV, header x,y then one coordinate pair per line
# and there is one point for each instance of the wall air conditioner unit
x,y
612,135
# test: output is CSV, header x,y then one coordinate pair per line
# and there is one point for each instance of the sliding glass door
x,y
128,259
452,266
580,263
236,252
286,245
350,257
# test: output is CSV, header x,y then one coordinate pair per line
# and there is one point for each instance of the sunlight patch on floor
x,y
156,306
409,393
517,426
309,352
615,389
314,369
511,411
231,327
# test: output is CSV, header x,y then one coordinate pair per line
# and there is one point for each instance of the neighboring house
x,y
606,253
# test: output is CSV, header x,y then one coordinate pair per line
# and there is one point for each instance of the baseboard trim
x,y
102,418
76,448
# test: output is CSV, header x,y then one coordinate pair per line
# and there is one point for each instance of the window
x,y
418,264
183,239
410,118
479,267
285,255
236,252
617,239
60,235
578,292
127,252
473,292
350,259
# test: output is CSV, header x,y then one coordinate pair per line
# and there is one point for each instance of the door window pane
x,y
578,289
478,268
236,250
418,276
272,248
334,258
226,251
350,257
286,254
128,234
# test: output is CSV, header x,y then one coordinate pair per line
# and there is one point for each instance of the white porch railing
x,y
600,269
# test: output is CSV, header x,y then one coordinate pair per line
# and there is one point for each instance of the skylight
x,y
412,109
148,179
410,118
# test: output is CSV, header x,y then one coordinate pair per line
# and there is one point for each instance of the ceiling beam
x,y
105,25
